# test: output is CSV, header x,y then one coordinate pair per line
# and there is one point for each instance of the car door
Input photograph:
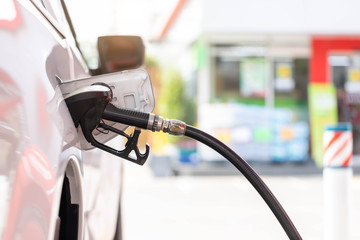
x,y
34,55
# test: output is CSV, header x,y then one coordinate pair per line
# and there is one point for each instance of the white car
x,y
53,183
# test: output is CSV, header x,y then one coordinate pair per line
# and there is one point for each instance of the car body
x,y
49,188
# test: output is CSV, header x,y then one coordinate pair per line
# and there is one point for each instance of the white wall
x,y
282,16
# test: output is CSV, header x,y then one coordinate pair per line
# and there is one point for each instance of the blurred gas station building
x,y
268,75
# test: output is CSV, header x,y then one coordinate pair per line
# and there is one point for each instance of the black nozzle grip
x,y
126,116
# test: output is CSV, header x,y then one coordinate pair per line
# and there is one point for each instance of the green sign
x,y
200,54
323,111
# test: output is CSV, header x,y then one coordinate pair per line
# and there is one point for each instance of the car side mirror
x,y
117,53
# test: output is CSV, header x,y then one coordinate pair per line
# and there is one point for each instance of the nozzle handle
x,y
126,116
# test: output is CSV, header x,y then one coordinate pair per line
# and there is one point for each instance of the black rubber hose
x,y
126,116
251,176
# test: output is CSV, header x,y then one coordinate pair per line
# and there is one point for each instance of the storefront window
x,y
253,77
239,73
291,82
227,75
345,75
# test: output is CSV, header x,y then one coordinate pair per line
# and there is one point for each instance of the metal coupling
x,y
174,127
157,123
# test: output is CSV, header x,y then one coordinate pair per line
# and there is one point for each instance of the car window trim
x,y
72,29
49,19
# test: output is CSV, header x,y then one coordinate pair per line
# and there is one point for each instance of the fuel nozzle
x,y
86,106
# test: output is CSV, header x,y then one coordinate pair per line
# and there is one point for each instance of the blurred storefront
x,y
256,96
270,75
334,86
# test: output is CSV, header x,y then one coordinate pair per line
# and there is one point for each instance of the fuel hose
x,y
155,122
250,175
